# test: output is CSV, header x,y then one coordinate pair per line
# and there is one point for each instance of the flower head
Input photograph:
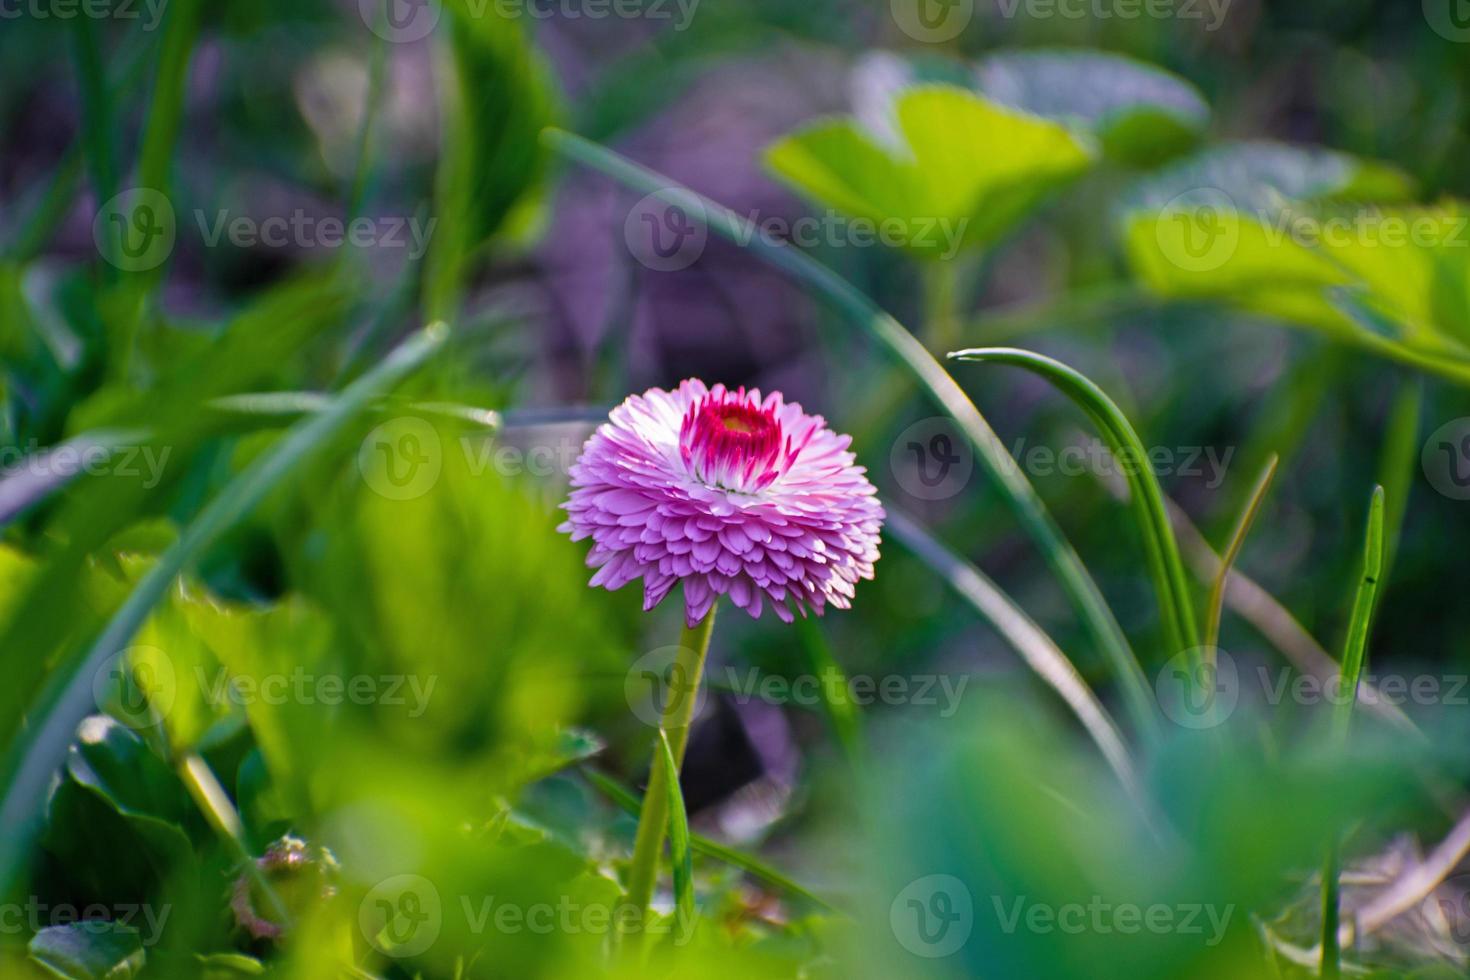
x,y
728,492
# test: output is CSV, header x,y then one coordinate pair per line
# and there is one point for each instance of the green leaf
x,y
679,853
1170,582
957,170
89,951
1140,112
497,101
33,755
1278,231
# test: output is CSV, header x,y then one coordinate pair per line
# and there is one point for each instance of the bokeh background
x,y
558,316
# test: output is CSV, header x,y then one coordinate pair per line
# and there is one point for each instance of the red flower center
x,y
730,442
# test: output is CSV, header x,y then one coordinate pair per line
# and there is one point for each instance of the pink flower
x,y
728,492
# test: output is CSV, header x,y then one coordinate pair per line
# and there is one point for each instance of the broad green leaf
x,y
89,951
1141,113
1275,231
960,171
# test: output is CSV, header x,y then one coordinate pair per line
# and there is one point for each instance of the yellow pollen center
x,y
733,424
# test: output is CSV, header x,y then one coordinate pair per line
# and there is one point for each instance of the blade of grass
x,y
1042,655
1399,464
1176,608
631,803
1354,656
34,754
832,682
1216,606
679,855
98,131
1087,599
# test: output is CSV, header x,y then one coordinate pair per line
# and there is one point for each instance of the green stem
x,y
1215,609
678,713
941,293
215,804
1354,657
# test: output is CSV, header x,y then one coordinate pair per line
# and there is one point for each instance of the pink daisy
x,y
728,492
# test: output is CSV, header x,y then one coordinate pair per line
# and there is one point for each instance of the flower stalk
x,y
683,685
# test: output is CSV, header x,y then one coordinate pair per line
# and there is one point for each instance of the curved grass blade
x,y
631,803
1087,599
1354,656
33,755
1232,551
1029,640
679,854
1148,499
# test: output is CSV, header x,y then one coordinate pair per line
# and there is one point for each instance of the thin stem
x,y
215,804
941,313
1354,656
678,714
1232,551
